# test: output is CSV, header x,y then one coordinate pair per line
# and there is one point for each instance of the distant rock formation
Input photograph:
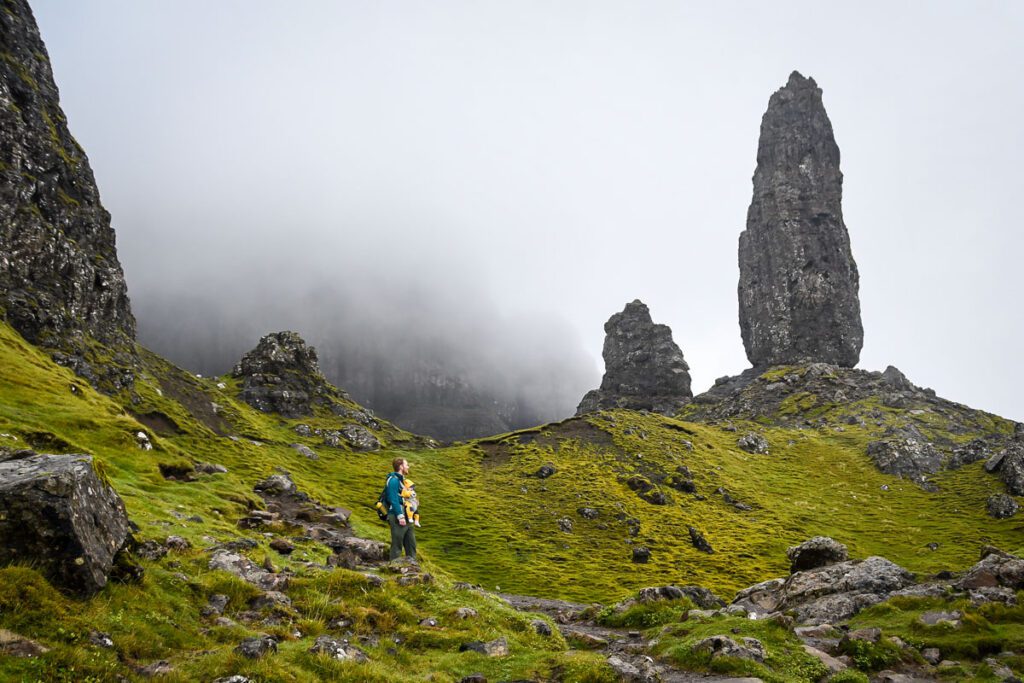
x,y
59,517
798,288
61,284
644,368
282,375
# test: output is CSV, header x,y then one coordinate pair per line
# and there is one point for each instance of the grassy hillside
x,y
487,519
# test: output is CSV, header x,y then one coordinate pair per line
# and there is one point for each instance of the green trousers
x,y
402,537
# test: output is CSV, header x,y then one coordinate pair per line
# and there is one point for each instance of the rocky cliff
x,y
60,281
798,281
644,368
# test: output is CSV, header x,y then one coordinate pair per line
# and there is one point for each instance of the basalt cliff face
x,y
644,368
60,281
798,288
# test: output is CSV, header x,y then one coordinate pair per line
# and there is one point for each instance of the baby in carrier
x,y
412,502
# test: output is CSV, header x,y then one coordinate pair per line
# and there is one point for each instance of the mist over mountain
x,y
431,353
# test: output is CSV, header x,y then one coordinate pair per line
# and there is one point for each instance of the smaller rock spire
x,y
644,368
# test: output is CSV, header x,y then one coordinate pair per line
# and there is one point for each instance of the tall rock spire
x,y
644,369
59,273
798,280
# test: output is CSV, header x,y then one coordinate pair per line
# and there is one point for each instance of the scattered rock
x,y
833,664
1011,468
753,443
565,525
151,550
56,514
938,617
819,551
160,668
587,513
282,545
269,600
14,645
336,649
931,655
177,543
474,678
1002,506
724,646
465,613
641,554
908,458
276,485
493,648
995,569
644,368
305,451
698,541
100,639
541,627
245,569
215,605
545,471
210,468
256,647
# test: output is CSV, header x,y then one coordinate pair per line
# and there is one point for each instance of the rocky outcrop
x,y
282,375
57,515
827,594
644,368
798,288
61,285
1009,463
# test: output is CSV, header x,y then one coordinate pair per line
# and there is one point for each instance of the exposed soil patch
x,y
159,423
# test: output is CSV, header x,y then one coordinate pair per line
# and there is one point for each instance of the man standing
x,y
402,534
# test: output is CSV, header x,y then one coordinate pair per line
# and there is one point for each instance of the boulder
x,y
798,288
1012,469
305,451
59,516
698,540
819,551
908,458
724,646
256,647
641,554
339,650
493,648
753,443
995,569
829,594
644,368
1002,506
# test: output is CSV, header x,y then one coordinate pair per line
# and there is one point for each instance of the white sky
x,y
563,158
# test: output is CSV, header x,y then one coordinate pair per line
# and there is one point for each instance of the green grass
x,y
486,520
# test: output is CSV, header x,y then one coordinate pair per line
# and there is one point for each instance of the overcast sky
x,y
561,158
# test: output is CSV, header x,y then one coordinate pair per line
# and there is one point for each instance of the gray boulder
x,y
908,458
256,647
1002,506
644,368
753,443
1012,469
57,515
827,594
798,289
995,569
819,551
724,646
